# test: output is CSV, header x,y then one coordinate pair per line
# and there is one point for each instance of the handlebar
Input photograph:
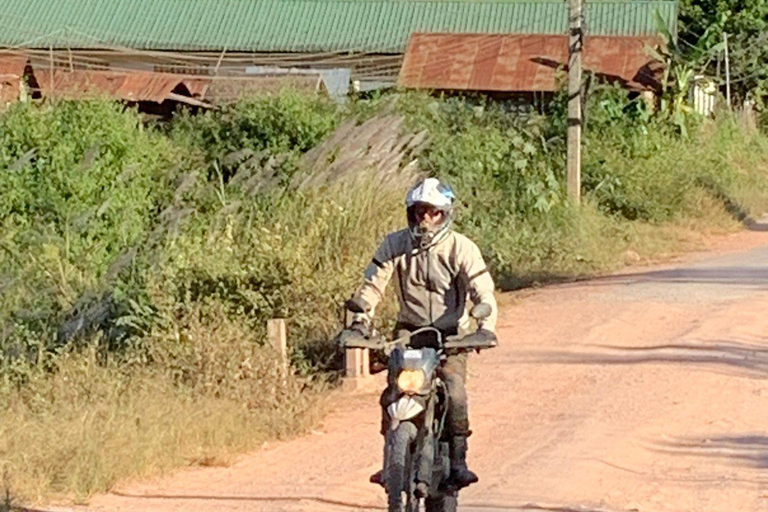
x,y
377,342
357,341
469,343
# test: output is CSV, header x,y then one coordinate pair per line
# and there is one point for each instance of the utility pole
x,y
727,72
576,43
50,56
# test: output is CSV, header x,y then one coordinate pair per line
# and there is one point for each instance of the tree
x,y
702,24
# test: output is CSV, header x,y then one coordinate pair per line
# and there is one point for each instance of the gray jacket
x,y
432,284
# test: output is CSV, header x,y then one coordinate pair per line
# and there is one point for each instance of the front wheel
x,y
442,502
400,468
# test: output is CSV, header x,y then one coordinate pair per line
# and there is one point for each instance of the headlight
x,y
410,381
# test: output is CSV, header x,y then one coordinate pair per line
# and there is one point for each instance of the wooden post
x,y
278,339
218,62
574,101
649,97
727,72
353,363
357,373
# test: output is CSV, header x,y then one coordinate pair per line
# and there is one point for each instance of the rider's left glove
x,y
484,335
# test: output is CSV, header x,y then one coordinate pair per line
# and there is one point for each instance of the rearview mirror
x,y
481,311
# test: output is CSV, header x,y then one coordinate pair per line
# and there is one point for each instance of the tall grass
x,y
92,419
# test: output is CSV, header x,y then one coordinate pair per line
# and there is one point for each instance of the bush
x,y
81,185
289,121
640,167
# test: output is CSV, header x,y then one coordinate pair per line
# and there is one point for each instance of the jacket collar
x,y
439,238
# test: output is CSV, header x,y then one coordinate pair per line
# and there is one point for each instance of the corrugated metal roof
x,y
11,74
158,87
503,62
382,26
129,86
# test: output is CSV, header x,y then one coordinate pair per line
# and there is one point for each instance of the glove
x,y
484,336
481,339
361,328
356,331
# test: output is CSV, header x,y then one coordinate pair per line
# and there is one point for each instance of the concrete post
x,y
278,340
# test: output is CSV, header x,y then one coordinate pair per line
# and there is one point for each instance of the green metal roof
x,y
300,25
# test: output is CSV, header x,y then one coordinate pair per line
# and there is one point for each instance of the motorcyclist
x,y
436,271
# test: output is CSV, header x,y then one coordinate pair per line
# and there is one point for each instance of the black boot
x,y
461,476
378,477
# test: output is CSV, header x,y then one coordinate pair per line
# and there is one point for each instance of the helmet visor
x,y
428,213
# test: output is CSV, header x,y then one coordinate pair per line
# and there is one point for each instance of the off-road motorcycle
x,y
416,465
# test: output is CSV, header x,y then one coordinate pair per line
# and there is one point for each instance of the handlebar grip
x,y
470,342
354,340
471,345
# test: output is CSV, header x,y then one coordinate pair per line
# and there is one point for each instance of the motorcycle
x,y
416,469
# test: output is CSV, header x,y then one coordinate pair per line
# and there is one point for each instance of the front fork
x,y
426,445
426,442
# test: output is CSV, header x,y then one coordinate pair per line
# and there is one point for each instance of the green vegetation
x,y
139,263
703,23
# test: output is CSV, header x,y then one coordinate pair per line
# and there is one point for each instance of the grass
x,y
88,423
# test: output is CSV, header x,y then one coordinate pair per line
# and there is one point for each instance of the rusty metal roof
x,y
512,62
11,74
128,86
158,87
13,65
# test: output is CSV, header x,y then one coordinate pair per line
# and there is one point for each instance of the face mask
x,y
430,227
426,232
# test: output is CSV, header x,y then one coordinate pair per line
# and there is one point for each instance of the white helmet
x,y
433,192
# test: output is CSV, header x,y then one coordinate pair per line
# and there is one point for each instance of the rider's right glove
x,y
361,328
355,334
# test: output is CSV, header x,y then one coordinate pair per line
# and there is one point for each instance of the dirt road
x,y
641,392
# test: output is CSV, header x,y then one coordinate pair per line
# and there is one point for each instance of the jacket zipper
x,y
429,285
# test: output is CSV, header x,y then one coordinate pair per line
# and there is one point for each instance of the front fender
x,y
405,408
